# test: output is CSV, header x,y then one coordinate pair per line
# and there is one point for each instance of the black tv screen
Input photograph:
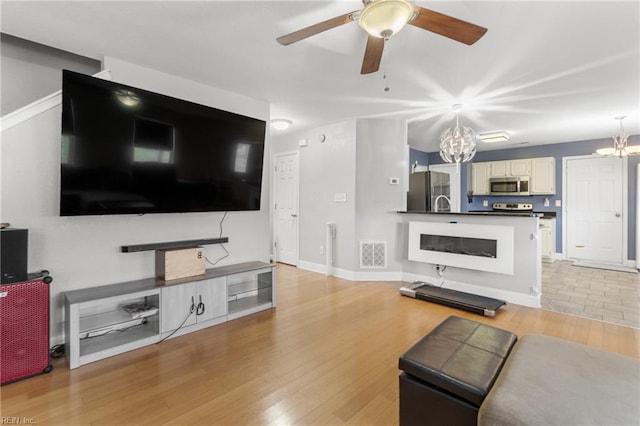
x,y
130,151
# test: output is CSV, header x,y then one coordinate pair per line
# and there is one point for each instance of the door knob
x,y
294,215
618,214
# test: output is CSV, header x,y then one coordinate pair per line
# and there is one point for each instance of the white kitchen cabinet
x,y
480,178
521,167
547,239
193,303
499,168
543,176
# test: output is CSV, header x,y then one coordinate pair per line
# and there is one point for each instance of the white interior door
x,y
595,214
286,208
454,182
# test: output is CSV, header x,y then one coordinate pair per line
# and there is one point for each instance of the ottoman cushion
x,y
460,356
554,382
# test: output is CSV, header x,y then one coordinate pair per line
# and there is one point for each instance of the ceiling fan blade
x,y
315,29
372,55
447,26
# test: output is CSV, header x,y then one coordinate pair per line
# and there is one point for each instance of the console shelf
x,y
97,326
249,292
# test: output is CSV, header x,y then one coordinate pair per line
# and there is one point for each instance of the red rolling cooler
x,y
24,328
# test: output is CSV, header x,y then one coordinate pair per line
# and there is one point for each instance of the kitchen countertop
x,y
525,214
545,215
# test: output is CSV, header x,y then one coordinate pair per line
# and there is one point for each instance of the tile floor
x,y
609,296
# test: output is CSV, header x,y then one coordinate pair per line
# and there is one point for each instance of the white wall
x,y
85,251
381,154
30,71
326,168
357,158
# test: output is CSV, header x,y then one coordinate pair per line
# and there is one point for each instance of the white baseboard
x,y
532,301
313,267
351,275
606,266
322,269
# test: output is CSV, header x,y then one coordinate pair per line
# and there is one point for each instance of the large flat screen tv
x,y
130,151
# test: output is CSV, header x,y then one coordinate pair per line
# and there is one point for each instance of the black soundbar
x,y
172,244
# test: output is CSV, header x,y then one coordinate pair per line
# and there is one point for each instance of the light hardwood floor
x,y
327,355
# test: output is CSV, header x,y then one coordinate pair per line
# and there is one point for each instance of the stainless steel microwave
x,y
512,185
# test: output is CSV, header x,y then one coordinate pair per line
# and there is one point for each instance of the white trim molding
x,y
351,275
38,107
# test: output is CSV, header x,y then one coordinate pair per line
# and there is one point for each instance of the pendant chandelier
x,y
457,145
620,147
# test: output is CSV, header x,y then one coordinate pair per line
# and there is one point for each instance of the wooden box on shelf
x,y
173,264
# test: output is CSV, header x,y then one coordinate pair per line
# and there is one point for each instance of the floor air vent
x,y
373,254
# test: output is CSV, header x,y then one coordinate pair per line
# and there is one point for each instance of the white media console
x,y
97,326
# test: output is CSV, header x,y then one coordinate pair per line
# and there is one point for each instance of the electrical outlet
x,y
321,249
558,203
546,202
485,203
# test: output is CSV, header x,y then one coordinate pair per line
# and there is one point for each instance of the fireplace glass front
x,y
459,245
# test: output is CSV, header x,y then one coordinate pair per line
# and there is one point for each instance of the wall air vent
x,y
373,254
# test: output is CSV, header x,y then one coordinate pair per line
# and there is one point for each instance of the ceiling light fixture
x,y
620,148
281,123
492,137
384,18
457,145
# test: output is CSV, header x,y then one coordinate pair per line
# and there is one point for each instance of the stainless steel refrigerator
x,y
429,192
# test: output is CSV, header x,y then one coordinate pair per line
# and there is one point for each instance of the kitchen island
x,y
493,254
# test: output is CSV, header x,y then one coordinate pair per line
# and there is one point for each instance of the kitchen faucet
x,y
435,203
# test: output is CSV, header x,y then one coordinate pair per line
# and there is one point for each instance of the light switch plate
x,y
394,181
485,203
558,203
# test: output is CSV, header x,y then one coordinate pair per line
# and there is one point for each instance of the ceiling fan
x,y
381,19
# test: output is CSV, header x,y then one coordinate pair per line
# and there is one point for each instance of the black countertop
x,y
545,215
541,214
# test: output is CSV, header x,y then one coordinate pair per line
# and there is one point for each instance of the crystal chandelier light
x,y
457,145
620,147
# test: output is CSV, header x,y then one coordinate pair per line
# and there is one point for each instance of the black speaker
x,y
14,245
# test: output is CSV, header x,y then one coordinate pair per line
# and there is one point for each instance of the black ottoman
x,y
448,373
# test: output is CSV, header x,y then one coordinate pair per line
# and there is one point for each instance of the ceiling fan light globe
x,y
633,149
384,18
605,151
